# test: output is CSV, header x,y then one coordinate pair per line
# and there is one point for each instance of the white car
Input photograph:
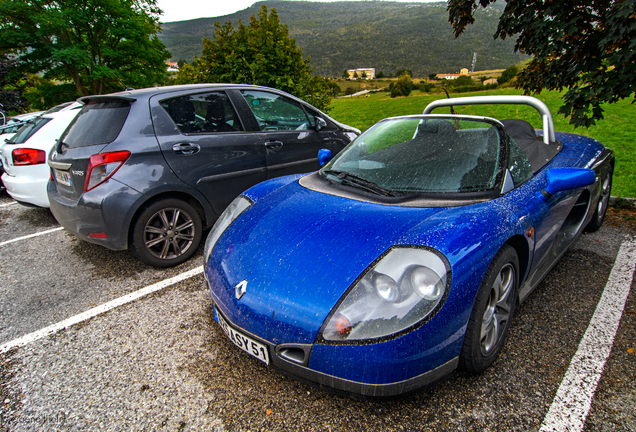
x,y
24,156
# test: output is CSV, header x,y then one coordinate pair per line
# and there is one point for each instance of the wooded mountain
x,y
385,35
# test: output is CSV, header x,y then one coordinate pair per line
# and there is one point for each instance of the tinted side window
x,y
26,131
518,164
202,113
275,112
97,123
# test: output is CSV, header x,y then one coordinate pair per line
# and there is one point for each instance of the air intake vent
x,y
294,353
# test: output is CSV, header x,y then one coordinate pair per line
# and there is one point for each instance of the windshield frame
x,y
493,192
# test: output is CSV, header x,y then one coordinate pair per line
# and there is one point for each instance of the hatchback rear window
x,y
97,123
27,130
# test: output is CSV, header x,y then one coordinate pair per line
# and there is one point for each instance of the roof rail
x,y
542,108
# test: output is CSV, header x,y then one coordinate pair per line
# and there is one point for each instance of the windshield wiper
x,y
60,145
361,183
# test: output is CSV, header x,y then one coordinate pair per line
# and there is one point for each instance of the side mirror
x,y
321,123
324,156
560,179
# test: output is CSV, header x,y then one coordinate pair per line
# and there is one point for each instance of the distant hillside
x,y
385,35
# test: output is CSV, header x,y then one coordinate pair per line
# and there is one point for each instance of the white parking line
x,y
31,235
26,339
8,204
573,400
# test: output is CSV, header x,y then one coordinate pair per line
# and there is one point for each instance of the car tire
x,y
492,312
166,233
603,203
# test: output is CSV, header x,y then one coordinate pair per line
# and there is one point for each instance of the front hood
x,y
300,250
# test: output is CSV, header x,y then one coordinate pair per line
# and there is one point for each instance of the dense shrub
x,y
508,74
461,81
402,87
426,87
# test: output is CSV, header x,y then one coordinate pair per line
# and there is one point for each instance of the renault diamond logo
x,y
240,289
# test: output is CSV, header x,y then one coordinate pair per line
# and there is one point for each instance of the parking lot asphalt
x,y
162,363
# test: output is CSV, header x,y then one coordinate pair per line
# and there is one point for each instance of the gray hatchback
x,y
148,170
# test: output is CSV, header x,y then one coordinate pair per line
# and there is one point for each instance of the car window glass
x,y
423,155
27,130
202,113
518,164
275,112
97,123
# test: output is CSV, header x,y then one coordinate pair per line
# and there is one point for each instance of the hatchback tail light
x,y
102,166
27,156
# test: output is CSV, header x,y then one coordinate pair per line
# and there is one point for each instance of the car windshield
x,y
425,154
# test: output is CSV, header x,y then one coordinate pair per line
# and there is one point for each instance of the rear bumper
x,y
105,209
30,189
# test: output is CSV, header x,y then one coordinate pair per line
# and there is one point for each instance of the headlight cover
x,y
233,211
405,286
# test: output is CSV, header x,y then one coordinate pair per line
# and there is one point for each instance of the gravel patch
x,y
125,371
162,363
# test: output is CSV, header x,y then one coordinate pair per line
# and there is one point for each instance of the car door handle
x,y
274,144
186,148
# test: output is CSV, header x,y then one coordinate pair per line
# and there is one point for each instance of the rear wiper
x,y
361,183
60,145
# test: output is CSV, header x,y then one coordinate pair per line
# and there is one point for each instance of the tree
x,y
261,53
12,87
586,46
43,93
88,42
508,74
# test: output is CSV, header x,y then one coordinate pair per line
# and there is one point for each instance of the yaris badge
x,y
240,289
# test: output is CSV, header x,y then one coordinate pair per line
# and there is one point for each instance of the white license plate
x,y
63,177
245,343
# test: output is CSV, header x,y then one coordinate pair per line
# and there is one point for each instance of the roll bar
x,y
542,108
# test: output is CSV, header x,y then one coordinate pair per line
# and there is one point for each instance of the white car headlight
x,y
233,211
406,286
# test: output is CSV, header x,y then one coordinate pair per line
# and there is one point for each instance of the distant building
x,y
451,76
368,73
447,76
172,67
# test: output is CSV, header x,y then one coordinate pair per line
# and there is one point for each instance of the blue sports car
x,y
407,254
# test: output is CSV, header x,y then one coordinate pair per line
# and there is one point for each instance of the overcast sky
x,y
180,10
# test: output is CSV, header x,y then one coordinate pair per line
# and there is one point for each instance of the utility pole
x,y
474,61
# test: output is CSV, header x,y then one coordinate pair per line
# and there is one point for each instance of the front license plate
x,y
63,177
245,343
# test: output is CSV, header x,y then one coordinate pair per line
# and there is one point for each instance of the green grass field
x,y
617,131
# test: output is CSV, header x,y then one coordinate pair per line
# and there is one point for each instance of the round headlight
x,y
426,283
386,287
402,288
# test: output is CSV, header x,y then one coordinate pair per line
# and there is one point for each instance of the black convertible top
x,y
537,152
